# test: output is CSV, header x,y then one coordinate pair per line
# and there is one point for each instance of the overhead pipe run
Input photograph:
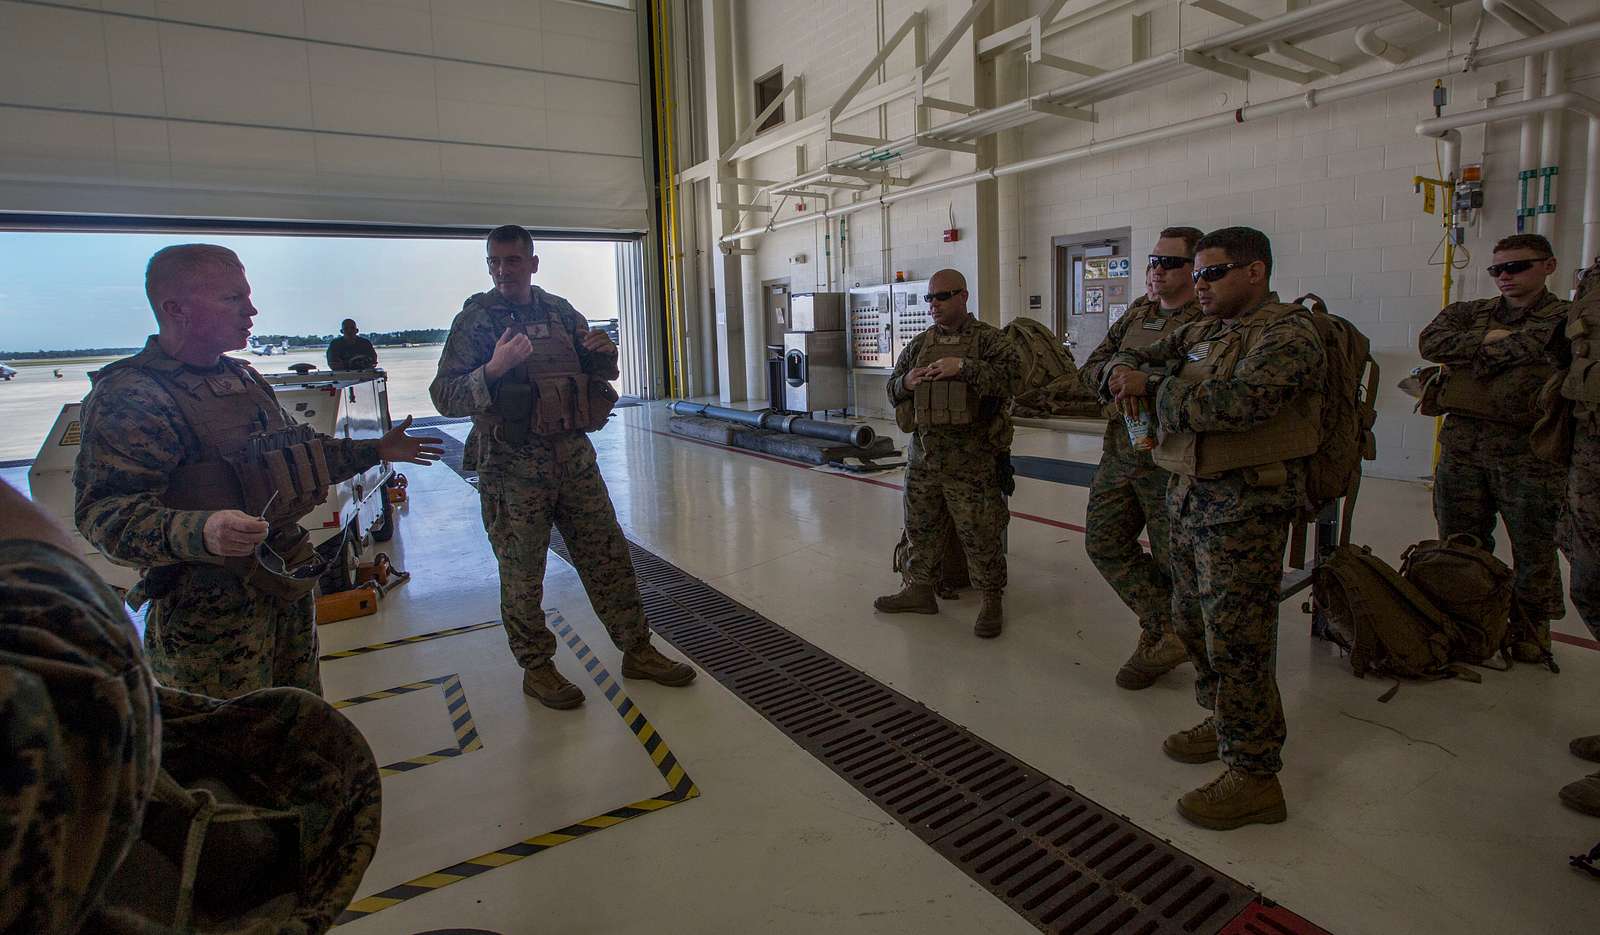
x,y
1368,41
1445,129
858,435
1306,100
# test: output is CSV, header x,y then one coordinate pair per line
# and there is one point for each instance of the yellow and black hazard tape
x,y
680,788
455,701
407,640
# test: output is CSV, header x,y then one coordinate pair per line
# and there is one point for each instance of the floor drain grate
x,y
1061,861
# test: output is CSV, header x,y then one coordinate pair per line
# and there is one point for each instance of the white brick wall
x,y
1331,186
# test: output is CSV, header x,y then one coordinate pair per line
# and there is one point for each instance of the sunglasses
x,y
944,296
1169,262
1513,267
275,565
1216,271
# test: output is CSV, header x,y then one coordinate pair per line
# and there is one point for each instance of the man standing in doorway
x,y
525,366
1497,355
1129,492
1238,404
951,389
350,351
190,471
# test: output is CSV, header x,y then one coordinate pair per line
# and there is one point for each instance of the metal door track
x,y
1061,861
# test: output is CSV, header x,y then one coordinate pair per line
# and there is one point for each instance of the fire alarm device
x,y
951,235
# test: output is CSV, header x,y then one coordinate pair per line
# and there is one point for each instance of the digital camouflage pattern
x,y
1128,494
81,735
952,473
1227,535
1580,520
1225,582
207,631
524,488
1487,468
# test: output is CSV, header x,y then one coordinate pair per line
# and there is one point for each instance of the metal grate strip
x,y
1061,861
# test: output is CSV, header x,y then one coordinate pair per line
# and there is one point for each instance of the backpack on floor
x,y
951,575
1468,584
1386,624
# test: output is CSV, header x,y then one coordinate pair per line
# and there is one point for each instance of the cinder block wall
x,y
1331,185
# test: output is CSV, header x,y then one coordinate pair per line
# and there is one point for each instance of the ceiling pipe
x,y
1444,129
1426,71
1369,42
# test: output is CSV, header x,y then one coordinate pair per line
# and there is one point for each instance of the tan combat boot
x,y
1587,748
911,599
1198,744
647,662
1583,795
991,617
1234,799
1151,659
553,691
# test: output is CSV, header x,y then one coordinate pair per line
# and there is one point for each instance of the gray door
x,y
1096,279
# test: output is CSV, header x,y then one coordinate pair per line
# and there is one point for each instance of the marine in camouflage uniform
x,y
1498,353
1580,519
78,723
1129,491
150,489
526,486
1229,527
955,472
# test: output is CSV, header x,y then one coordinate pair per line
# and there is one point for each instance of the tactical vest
x,y
251,459
1508,396
1146,326
549,394
1294,431
1582,381
940,402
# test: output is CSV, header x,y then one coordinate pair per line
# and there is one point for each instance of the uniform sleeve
x,y
130,447
1452,337
335,355
897,380
1535,344
1092,372
460,388
996,369
370,349
604,366
1288,358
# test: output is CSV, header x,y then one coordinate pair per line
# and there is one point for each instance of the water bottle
x,y
1141,428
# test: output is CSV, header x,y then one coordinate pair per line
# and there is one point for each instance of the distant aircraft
x,y
6,373
262,349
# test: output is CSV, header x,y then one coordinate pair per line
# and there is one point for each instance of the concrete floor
x,y
1433,813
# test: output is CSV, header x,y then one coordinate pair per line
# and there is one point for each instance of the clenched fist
x,y
232,533
511,350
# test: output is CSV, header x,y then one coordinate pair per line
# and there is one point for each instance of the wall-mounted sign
x,y
1094,300
1036,301
1120,266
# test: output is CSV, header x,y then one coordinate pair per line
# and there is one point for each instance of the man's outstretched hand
x,y
411,449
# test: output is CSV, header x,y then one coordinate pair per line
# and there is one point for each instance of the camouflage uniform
x,y
524,488
208,631
346,353
1486,466
1580,521
952,472
1228,535
1129,492
81,737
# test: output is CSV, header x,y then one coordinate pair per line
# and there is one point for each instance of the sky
x,y
66,291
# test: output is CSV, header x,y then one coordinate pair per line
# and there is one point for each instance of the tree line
x,y
378,338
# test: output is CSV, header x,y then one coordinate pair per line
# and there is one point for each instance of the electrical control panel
x,y
871,329
912,316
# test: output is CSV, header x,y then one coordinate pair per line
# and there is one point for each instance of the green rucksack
x,y
1387,625
1467,584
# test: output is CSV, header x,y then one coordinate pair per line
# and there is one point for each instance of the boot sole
x,y
1593,757
1135,679
1210,756
555,704
906,610
986,634
1267,816
677,682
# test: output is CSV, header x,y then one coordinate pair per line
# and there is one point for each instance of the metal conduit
x,y
858,435
1506,52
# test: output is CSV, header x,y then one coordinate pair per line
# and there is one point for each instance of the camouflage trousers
x,y
934,499
1125,498
518,512
215,635
1226,580
1580,525
1475,482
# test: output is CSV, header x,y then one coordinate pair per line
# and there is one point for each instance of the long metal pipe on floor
x,y
858,435
1306,100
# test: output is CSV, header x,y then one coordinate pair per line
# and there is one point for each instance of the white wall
x,y
397,111
1331,185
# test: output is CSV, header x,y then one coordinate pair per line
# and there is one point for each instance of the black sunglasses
x,y
1216,271
944,296
1513,266
275,565
1169,262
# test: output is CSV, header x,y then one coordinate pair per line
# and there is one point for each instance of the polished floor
x,y
1435,812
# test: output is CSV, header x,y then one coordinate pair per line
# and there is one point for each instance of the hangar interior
x,y
762,163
